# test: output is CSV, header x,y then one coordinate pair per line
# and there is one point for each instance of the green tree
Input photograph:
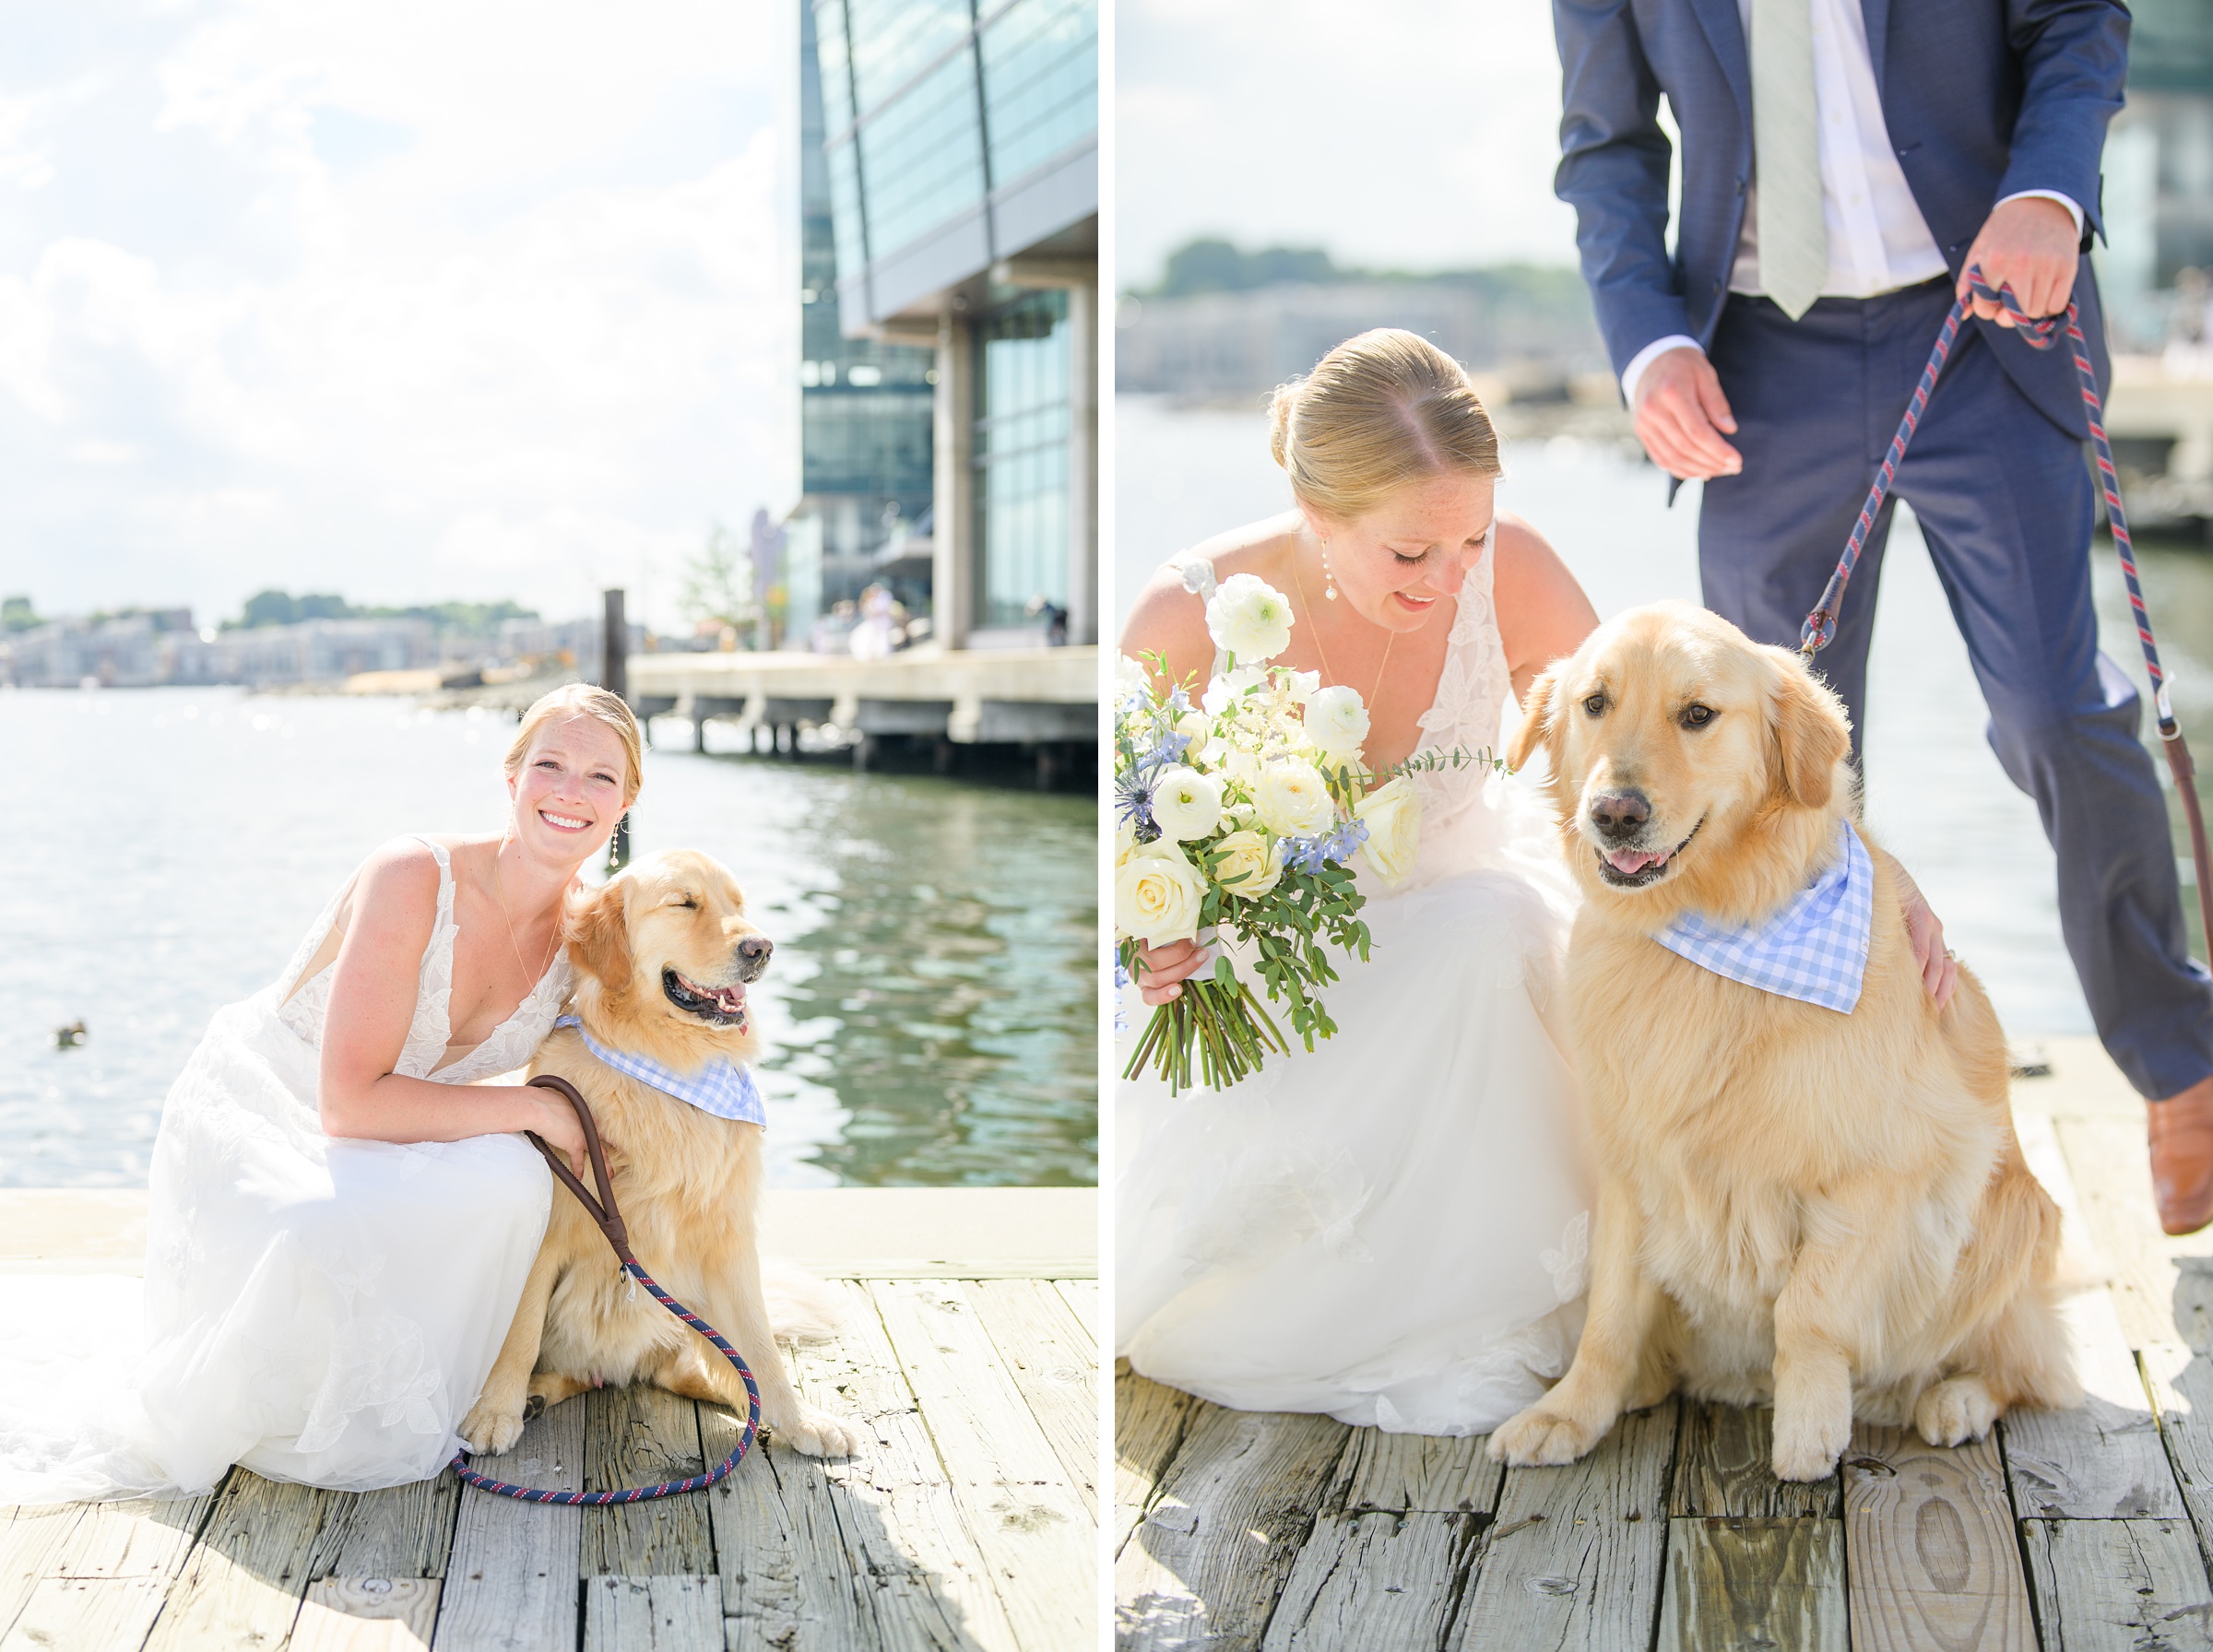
x,y
718,580
16,614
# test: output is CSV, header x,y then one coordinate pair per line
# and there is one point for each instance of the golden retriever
x,y
1828,1211
663,954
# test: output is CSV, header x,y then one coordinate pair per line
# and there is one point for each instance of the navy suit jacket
x,y
1982,99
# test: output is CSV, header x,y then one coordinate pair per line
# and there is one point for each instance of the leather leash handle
x,y
2185,785
602,1210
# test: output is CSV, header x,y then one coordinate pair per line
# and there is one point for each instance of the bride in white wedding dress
x,y
341,1215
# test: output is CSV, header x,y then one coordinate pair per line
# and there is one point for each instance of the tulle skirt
x,y
318,1310
1393,1229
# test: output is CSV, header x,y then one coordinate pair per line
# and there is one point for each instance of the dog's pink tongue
x,y
1629,861
732,998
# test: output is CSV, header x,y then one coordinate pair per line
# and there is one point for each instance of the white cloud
x,y
408,301
1420,133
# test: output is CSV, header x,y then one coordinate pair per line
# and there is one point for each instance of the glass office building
x,y
960,150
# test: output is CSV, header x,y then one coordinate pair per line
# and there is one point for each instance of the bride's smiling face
x,y
1398,563
569,792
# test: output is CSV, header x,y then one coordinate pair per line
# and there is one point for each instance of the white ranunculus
x,y
1336,722
1293,799
1304,685
1193,726
1250,618
1393,815
1252,859
1225,691
1186,804
1158,893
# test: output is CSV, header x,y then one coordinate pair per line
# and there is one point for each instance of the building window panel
x,y
845,208
836,75
894,40
924,157
1040,68
1022,435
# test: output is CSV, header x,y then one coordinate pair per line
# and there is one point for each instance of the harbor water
x,y
930,1011
1935,794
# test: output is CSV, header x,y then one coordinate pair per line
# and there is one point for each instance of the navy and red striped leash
x,y
2038,331
610,1220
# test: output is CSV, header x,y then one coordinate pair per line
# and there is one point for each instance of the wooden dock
x,y
969,1349
2081,1531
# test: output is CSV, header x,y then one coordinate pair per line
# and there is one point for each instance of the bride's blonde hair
x,y
582,699
1378,411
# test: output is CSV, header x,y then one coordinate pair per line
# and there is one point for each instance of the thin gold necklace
x,y
499,895
1314,617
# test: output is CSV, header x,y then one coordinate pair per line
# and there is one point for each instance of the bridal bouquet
x,y
1245,811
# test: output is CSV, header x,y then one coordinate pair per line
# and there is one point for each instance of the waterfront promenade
x,y
2082,1531
969,1351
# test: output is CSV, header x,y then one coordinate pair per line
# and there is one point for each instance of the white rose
x,y
1158,893
1251,860
1250,618
1336,722
1186,804
1125,840
1393,815
1293,799
1193,726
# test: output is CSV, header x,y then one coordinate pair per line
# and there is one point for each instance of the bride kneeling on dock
x,y
341,1215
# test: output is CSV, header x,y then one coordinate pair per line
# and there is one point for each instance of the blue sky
x,y
1420,133
407,300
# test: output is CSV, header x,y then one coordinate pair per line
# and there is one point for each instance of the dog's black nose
x,y
755,949
1620,815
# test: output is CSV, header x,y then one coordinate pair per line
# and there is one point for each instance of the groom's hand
x,y
1680,415
2031,245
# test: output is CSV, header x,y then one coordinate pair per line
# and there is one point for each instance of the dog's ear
x,y
1811,733
598,932
1536,728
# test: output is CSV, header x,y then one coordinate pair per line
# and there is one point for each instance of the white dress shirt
x,y
1877,240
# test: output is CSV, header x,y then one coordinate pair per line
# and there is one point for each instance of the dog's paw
x,y
1539,1438
818,1434
1807,1448
491,1427
1955,1412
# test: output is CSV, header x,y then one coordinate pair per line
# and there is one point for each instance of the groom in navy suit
x,y
1843,163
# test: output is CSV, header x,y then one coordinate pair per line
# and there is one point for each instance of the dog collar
x,y
722,1087
1814,949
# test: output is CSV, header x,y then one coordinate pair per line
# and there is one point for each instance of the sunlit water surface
x,y
929,1011
1935,793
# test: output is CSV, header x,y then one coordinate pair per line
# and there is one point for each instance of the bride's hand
x,y
558,1127
1940,970
1161,969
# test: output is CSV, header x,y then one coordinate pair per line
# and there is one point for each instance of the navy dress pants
x,y
2003,498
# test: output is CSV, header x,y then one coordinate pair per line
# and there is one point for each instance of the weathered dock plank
x,y
2120,1585
511,1576
787,1580
634,1436
243,1580
1416,1474
1082,1298
1150,1421
1745,1581
1364,1581
399,1531
139,1538
1220,1535
366,1614
27,1536
1036,1531
1931,1560
95,1615
2102,1459
1054,1362
657,1613
927,1579
1573,1557
2112,1184
1725,1465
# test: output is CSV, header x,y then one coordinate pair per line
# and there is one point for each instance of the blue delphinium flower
x,y
1311,853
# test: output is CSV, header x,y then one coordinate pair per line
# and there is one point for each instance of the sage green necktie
x,y
1786,144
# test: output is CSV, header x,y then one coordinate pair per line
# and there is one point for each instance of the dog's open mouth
x,y
1637,868
720,1006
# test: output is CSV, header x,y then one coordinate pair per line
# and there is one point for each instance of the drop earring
x,y
1329,580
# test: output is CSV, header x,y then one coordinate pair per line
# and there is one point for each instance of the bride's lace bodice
x,y
510,1045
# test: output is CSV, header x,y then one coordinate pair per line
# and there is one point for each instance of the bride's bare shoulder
x,y
1167,618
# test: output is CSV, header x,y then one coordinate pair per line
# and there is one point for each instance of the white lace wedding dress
x,y
319,1310
1392,1229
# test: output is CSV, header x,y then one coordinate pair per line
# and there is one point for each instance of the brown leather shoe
x,y
2181,1158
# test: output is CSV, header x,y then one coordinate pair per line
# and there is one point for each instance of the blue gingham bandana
x,y
1814,950
722,1087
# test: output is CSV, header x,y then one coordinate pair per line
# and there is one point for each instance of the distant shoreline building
x,y
960,142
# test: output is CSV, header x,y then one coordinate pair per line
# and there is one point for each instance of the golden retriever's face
x,y
1672,734
669,938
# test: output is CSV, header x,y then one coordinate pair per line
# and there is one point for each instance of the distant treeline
x,y
1210,265
280,608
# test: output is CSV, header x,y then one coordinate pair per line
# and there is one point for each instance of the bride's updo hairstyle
x,y
1378,411
582,699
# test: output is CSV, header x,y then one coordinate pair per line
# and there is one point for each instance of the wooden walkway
x,y
2081,1531
971,1523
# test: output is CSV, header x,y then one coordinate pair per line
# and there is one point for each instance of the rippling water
x,y
1935,793
929,1010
